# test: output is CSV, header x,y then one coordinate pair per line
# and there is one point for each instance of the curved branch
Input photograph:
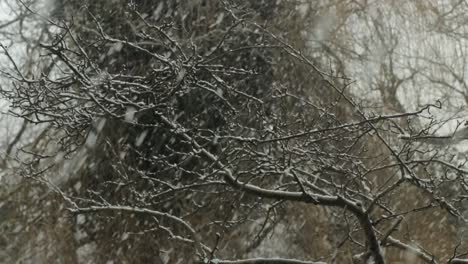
x,y
337,201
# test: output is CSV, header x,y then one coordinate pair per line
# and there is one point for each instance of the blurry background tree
x,y
233,132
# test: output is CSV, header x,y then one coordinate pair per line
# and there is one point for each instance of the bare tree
x,y
196,130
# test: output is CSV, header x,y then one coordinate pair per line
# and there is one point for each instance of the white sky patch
x,y
5,12
59,158
303,9
219,92
100,78
77,186
141,138
181,75
130,113
86,252
115,48
91,139
157,11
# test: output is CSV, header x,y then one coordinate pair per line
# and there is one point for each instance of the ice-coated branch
x,y
338,201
